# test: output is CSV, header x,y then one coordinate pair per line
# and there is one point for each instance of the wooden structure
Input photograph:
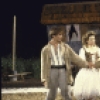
x,y
68,13
86,14
21,75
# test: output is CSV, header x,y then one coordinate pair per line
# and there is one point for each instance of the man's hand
x,y
45,83
90,65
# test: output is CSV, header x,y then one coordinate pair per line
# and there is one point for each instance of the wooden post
x,y
14,48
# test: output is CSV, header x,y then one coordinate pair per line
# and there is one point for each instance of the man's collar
x,y
62,43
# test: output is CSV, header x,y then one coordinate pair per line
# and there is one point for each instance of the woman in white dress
x,y
87,81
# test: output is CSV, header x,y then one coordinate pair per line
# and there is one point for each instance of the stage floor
x,y
33,93
24,90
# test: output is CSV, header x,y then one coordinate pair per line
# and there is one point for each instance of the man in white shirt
x,y
56,71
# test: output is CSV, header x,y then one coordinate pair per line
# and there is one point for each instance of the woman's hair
x,y
55,30
85,38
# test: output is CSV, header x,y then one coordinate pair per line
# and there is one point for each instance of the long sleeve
x,y
42,65
76,59
82,54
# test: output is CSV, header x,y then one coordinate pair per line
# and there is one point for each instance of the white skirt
x,y
87,84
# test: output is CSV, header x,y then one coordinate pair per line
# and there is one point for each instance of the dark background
x,y
31,34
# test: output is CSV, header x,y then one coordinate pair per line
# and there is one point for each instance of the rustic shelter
x,y
86,14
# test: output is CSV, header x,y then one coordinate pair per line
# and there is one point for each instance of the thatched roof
x,y
85,12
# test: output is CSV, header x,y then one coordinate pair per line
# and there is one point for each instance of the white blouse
x,y
82,52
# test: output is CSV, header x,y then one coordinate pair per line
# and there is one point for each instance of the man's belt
x,y
58,66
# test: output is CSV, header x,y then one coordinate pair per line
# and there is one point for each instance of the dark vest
x,y
88,56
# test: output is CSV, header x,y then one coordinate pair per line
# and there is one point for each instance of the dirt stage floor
x,y
27,94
